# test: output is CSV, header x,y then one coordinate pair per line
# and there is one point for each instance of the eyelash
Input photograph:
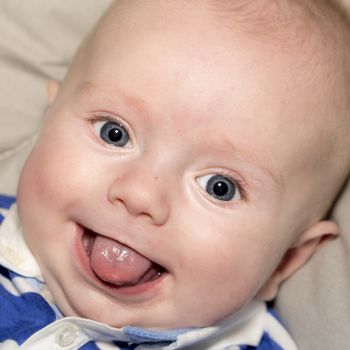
x,y
240,186
107,118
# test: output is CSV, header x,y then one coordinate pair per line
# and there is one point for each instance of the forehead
x,y
183,39
197,64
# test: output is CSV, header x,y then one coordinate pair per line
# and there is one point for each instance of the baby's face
x,y
170,177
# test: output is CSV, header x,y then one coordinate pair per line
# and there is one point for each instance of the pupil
x,y
115,135
220,188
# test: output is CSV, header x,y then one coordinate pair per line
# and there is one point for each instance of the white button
x,y
66,335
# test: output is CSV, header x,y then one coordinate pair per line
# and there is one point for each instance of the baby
x,y
184,170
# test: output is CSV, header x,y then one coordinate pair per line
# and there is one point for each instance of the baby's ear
x,y
53,87
296,256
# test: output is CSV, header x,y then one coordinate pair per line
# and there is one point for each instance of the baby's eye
x,y
112,133
219,187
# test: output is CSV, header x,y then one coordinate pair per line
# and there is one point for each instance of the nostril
x,y
146,216
116,201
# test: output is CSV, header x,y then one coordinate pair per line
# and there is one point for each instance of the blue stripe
x,y
1,218
266,343
89,346
276,316
23,315
6,201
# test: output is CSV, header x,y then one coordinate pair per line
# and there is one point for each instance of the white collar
x,y
14,252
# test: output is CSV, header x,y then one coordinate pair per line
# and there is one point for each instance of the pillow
x,y
38,40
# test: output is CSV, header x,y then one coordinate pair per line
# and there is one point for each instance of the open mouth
x,y
117,265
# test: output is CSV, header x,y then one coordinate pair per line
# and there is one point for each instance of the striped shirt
x,y
29,318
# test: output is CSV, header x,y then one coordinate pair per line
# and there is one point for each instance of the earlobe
x,y
53,87
296,256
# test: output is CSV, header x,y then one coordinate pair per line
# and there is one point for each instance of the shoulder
x,y
6,202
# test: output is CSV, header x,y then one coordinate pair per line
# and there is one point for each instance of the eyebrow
x,y
253,160
91,86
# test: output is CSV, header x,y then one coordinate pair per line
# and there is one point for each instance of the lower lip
x,y
85,263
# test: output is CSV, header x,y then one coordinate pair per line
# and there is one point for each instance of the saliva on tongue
x,y
118,264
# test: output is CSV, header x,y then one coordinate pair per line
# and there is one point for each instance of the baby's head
x,y
188,161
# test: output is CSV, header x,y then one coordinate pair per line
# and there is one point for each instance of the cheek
x,y
55,173
54,178
219,278
230,259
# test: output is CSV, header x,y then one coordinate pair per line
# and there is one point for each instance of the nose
x,y
142,194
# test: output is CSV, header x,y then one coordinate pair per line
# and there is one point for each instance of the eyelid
x,y
106,117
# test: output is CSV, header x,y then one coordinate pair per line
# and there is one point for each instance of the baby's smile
x,y
118,266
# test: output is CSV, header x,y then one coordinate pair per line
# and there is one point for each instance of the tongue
x,y
116,263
